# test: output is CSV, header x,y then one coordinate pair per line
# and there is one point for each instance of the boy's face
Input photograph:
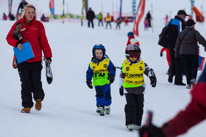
x,y
98,53
133,57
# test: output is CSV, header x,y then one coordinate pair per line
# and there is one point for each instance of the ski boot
x,y
107,110
25,110
130,127
100,110
136,127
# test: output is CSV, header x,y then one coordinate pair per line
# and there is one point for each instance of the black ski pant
x,y
134,109
178,70
172,64
175,68
100,22
190,64
30,76
109,23
90,22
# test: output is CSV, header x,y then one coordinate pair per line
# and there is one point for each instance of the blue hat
x,y
130,34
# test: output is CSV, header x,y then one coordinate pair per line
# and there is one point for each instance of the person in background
x,y
149,18
108,20
187,49
28,29
20,9
4,16
100,19
90,17
118,22
176,69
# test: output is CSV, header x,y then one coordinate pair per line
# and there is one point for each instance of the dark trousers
x,y
100,22
30,76
108,23
172,64
90,22
175,68
190,64
118,26
134,108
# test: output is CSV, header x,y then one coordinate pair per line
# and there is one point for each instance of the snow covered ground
x,y
69,105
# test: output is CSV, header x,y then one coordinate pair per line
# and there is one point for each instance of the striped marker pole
x,y
134,9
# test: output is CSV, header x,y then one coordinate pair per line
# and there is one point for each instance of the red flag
x,y
51,6
139,15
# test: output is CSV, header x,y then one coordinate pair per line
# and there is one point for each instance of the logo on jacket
x,y
127,68
140,68
105,65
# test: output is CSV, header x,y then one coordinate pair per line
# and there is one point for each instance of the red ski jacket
x,y
34,33
194,113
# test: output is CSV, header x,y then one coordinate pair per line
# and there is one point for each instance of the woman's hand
x,y
19,46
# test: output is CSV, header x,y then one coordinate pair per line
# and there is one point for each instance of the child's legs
x,y
100,97
107,92
103,95
139,108
130,109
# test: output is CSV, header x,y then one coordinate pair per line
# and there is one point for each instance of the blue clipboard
x,y
25,54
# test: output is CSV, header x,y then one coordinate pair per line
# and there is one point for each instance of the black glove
x,y
161,54
153,81
89,83
111,79
121,91
49,59
151,131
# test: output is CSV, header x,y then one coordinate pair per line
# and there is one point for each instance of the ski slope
x,y
69,105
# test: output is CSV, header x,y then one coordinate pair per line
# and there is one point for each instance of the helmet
x,y
133,50
98,46
130,34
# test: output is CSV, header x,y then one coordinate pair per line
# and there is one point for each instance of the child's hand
x,y
89,83
153,81
121,89
111,79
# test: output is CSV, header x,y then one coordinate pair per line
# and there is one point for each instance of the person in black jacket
x,y
21,7
176,26
90,17
187,49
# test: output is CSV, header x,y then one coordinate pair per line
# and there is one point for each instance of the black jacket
x,y
177,25
90,15
187,42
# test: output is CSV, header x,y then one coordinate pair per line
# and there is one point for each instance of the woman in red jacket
x,y
30,30
194,113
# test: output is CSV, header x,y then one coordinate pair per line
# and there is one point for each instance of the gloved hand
x,y
161,54
151,131
153,81
121,91
89,83
111,79
49,59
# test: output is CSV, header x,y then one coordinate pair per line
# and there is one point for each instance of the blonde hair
x,y
25,8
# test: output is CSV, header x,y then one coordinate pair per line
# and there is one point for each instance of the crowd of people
x,y
182,55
